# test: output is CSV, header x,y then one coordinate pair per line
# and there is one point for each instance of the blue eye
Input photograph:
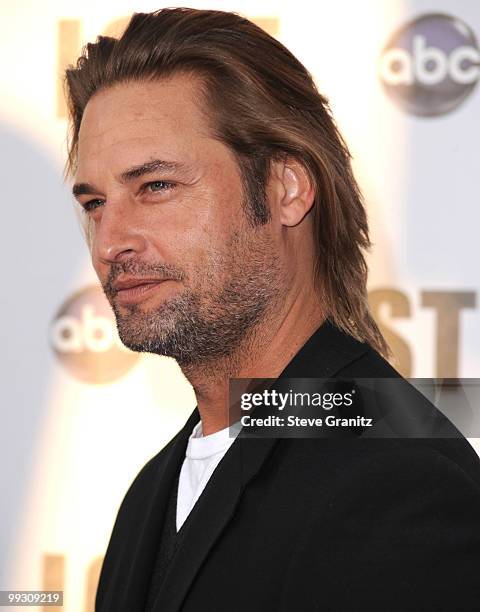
x,y
91,205
152,187
156,186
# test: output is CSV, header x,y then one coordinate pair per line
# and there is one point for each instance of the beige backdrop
x,y
81,414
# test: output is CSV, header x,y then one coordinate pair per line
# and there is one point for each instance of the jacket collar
x,y
326,352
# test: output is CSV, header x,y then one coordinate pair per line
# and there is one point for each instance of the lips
x,y
129,283
130,291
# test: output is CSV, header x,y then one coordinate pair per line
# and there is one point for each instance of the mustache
x,y
140,270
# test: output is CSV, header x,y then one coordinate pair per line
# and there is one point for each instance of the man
x,y
227,230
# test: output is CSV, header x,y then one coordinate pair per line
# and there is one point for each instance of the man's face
x,y
165,203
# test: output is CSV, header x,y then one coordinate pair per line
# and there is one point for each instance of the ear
x,y
293,189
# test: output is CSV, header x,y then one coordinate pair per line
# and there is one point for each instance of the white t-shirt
x,y
202,456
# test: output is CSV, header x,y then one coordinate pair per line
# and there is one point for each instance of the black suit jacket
x,y
308,524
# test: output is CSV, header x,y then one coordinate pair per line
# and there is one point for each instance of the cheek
x,y
207,250
211,254
206,236
187,244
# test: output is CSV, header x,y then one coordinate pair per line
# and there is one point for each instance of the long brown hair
x,y
263,104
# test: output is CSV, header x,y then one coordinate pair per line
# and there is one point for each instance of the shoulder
x,y
405,402
400,522
405,467
413,495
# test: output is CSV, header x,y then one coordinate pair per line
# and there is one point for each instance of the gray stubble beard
x,y
198,332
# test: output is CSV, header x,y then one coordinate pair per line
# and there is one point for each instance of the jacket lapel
x,y
142,554
327,350
201,530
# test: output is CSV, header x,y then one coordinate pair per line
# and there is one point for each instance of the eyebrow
x,y
131,174
149,167
83,189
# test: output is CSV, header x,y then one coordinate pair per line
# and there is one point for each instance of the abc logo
x,y
84,337
430,65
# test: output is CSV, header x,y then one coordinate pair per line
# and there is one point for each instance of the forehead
x,y
162,118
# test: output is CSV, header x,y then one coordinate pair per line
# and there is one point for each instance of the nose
x,y
116,235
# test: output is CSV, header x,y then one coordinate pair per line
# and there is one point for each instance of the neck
x,y
264,353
